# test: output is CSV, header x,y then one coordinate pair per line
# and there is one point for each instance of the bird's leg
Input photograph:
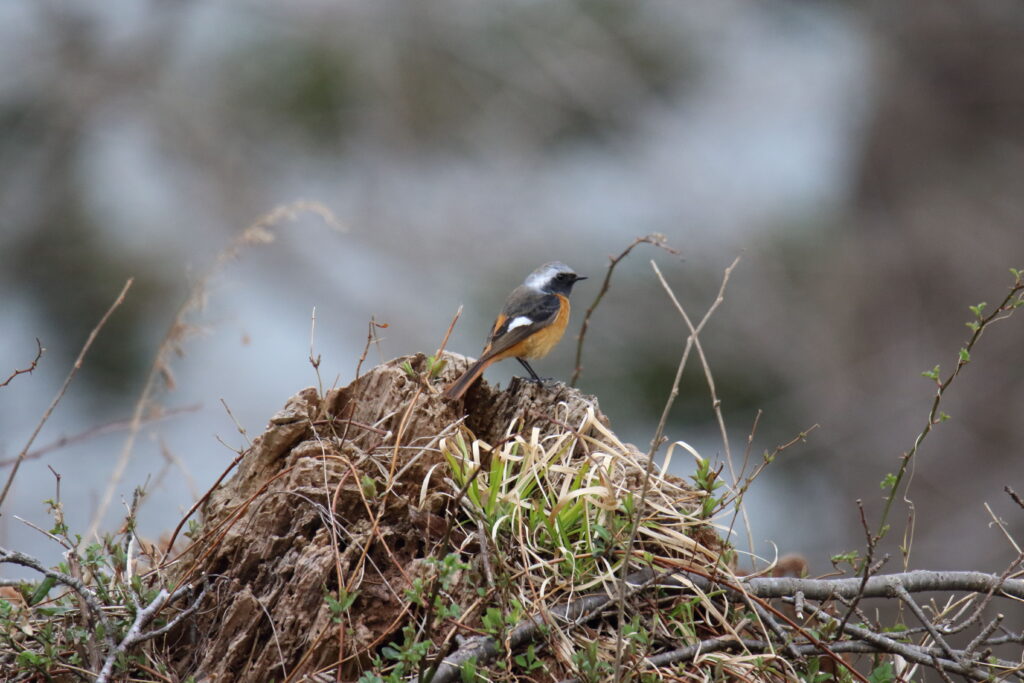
x,y
533,375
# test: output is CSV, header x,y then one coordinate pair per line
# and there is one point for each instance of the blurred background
x,y
866,160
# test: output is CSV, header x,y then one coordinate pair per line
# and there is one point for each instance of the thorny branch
x,y
32,366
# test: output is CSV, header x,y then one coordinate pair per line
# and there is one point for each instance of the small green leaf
x,y
435,366
407,367
965,356
40,593
932,374
943,416
468,671
368,485
849,557
976,310
882,673
888,482
973,326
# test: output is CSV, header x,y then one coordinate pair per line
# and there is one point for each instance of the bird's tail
x,y
459,387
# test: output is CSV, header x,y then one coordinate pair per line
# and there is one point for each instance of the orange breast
x,y
540,343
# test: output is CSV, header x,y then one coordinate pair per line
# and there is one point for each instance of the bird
x,y
531,322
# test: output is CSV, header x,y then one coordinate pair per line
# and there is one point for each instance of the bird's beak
x,y
580,277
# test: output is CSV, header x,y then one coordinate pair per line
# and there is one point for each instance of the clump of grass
x,y
545,518
565,502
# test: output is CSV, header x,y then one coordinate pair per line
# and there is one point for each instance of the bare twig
x,y
871,541
238,425
983,635
371,337
486,648
655,239
907,599
143,617
911,653
649,463
64,387
975,615
314,358
716,403
448,332
32,366
92,432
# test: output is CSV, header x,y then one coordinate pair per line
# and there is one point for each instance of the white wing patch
x,y
519,321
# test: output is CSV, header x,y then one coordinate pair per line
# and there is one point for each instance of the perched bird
x,y
531,322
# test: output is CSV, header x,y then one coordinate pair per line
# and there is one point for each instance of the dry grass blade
x,y
257,233
565,502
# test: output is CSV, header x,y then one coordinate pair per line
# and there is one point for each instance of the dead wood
x,y
267,543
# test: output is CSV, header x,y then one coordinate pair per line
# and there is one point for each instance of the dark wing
x,y
510,328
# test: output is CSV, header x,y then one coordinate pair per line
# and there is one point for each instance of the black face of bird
x,y
555,278
565,281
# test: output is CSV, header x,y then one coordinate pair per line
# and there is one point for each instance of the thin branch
x,y
914,653
238,425
485,649
202,500
909,601
64,387
871,544
35,361
314,358
983,635
716,403
371,336
1013,495
143,617
981,606
1001,312
655,239
655,444
86,593
99,430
